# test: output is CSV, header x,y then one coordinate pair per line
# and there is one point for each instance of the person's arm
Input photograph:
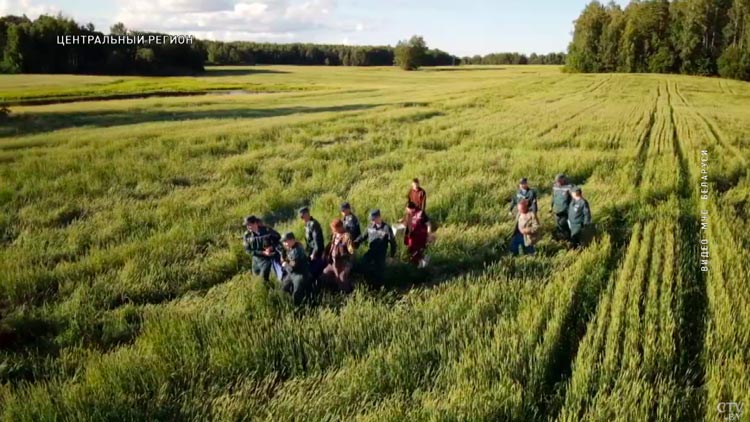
x,y
586,213
318,243
533,207
534,225
349,244
362,238
427,222
423,197
391,241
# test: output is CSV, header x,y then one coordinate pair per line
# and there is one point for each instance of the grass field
x,y
124,292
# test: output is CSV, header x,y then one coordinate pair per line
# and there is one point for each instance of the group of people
x,y
302,268
571,210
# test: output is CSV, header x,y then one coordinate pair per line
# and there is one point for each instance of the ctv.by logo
x,y
730,411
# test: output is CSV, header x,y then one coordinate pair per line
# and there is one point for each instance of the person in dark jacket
x,y
523,192
560,203
314,242
297,281
379,237
262,243
351,222
579,217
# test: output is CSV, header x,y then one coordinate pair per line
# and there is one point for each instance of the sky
x,y
461,27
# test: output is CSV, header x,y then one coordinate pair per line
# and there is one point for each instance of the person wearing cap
x,y
526,232
340,254
262,243
314,242
351,222
418,230
560,203
298,278
379,237
523,192
579,217
417,195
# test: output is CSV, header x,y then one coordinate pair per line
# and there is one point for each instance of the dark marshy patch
x,y
180,182
68,216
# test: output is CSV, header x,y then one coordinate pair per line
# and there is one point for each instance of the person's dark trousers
x,y
577,237
517,243
262,267
317,266
374,267
298,286
562,230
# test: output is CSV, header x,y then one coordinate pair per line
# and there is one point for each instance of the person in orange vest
x,y
417,195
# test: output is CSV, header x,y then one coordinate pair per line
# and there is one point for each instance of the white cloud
x,y
26,7
279,20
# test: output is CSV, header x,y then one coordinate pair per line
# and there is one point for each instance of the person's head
x,y
561,179
252,223
304,214
289,240
412,207
523,184
375,217
523,206
576,192
337,226
346,208
415,183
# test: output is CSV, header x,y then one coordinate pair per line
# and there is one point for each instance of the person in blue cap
x,y
314,242
351,222
379,237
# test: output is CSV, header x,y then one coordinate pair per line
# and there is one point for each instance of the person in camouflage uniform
x,y
579,217
297,281
379,237
560,203
314,242
262,243
351,222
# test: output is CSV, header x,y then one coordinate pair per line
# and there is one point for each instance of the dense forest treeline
x,y
32,46
516,58
696,37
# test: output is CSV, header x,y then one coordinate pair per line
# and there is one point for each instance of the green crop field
x,y
125,292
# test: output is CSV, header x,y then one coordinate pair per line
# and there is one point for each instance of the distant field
x,y
124,292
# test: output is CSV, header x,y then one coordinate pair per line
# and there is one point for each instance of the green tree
x,y
118,29
584,52
410,54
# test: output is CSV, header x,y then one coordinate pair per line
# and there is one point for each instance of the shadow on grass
x,y
31,123
218,71
464,69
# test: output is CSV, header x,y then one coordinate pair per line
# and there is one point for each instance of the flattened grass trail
x,y
124,292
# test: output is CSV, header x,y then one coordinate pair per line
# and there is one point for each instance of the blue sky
x,y
465,27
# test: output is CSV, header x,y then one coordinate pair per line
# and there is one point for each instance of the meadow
x,y
125,292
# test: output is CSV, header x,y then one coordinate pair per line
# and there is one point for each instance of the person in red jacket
x,y
418,229
417,195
